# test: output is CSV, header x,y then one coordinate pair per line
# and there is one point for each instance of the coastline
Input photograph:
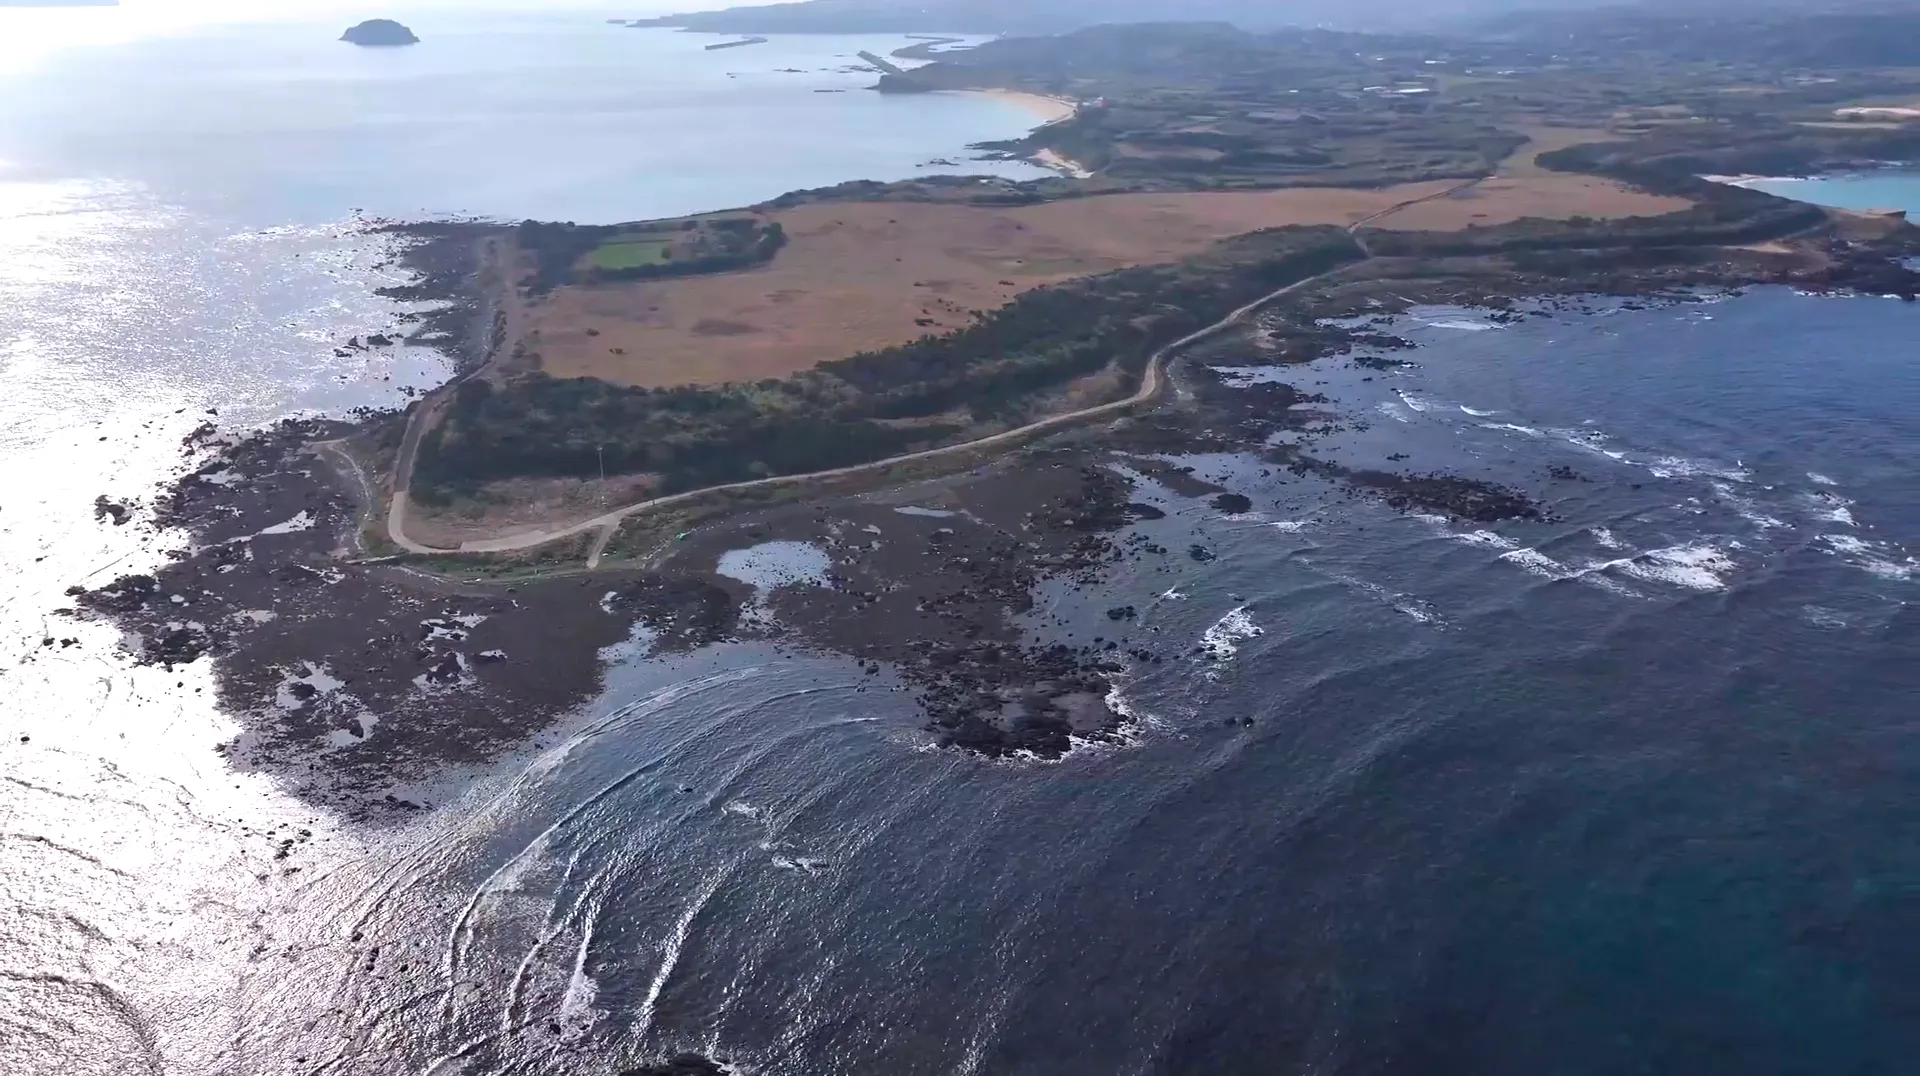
x,y
1066,166
1047,109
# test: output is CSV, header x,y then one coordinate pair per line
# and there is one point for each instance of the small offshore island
x,y
948,388
379,33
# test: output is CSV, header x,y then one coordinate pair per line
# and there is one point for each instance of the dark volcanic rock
x,y
1233,504
379,33
680,1065
118,511
1464,498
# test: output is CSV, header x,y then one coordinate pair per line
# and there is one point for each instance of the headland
x,y
940,386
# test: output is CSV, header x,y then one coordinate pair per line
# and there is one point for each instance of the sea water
x,y
1629,790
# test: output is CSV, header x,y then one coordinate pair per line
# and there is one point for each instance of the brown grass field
x,y
860,276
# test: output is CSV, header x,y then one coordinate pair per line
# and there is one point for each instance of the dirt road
x,y
1152,383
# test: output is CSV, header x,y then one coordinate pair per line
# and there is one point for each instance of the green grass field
x,y
630,253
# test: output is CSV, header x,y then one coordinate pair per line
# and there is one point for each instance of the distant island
x,y
379,33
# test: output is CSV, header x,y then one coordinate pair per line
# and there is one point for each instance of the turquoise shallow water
x,y
1892,189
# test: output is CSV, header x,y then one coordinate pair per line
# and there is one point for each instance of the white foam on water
x,y
1462,325
1509,427
1606,538
606,601
1820,480
1485,538
1694,566
302,522
577,1013
1478,414
1746,508
1874,558
802,864
1290,526
1682,467
930,513
1824,618
1420,613
1833,508
1416,403
1222,641
1404,604
1591,441
223,477
1393,411
1538,563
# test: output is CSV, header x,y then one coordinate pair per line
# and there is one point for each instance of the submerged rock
x,y
379,33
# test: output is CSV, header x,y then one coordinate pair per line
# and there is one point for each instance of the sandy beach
x,y
1052,159
1042,107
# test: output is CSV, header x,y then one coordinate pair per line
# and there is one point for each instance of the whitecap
x,y
1820,480
1606,538
1478,414
1837,510
1416,403
1290,526
1695,566
1222,641
1871,557
1405,604
1746,508
1511,428
1393,411
1682,467
1485,538
1538,563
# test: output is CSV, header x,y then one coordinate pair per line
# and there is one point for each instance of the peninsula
x,y
379,33
637,401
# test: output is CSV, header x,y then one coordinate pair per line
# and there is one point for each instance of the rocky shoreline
x,y
353,675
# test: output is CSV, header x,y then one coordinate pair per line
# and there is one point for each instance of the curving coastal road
x,y
1152,383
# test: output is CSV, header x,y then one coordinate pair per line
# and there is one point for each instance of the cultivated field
x,y
858,276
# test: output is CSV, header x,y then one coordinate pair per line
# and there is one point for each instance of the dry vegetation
x,y
861,276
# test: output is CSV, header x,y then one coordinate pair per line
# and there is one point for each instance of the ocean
x,y
1629,790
